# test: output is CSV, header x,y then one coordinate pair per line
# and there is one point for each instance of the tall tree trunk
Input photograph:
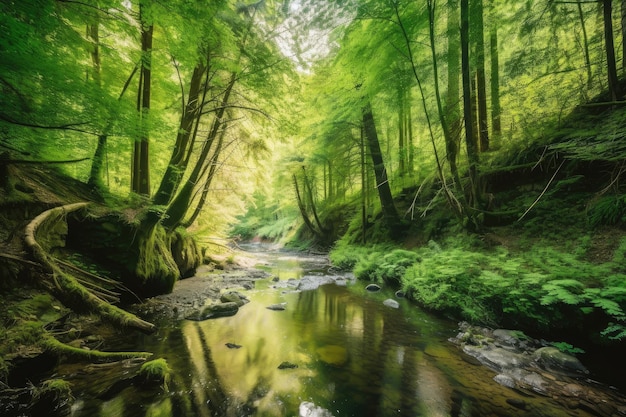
x,y
305,217
496,109
213,166
401,131
190,118
180,204
364,188
614,87
581,17
452,107
96,174
141,158
478,43
388,207
472,151
623,16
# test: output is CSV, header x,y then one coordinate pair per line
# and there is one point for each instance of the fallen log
x,y
67,286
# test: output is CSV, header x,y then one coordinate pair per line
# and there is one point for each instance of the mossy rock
x,y
214,311
154,373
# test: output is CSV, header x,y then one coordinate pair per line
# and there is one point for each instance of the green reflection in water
x,y
355,357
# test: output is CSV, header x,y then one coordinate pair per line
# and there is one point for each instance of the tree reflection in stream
x,y
355,357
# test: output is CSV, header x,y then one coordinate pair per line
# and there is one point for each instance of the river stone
x,y
400,294
333,355
391,303
308,409
277,307
312,282
214,311
287,365
497,358
234,297
373,287
552,359
511,339
505,380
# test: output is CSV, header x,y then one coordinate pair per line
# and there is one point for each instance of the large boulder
x,y
552,359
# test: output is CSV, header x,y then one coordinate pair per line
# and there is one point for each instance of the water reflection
x,y
354,357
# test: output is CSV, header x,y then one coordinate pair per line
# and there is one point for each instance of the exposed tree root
x,y
68,287
54,345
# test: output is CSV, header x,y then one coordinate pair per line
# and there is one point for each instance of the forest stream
x,y
335,350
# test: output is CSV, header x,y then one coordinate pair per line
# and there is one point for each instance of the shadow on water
x,y
348,353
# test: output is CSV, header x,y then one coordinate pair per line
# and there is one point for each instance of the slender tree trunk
x,y
179,206
188,120
213,166
382,181
409,130
363,188
141,158
623,16
496,110
452,107
581,17
478,41
98,162
401,133
305,217
614,87
472,151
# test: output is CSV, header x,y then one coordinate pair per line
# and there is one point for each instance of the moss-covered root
x,y
52,344
70,290
154,373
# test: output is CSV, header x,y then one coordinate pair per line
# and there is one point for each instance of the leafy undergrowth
x,y
507,279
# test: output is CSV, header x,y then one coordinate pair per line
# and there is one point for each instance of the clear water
x,y
354,357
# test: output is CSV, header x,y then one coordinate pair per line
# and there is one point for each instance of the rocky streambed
x,y
533,367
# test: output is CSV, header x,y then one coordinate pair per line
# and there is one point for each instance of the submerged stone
x,y
232,345
234,297
214,311
391,303
287,365
308,409
333,355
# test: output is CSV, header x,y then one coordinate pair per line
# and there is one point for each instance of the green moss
x,y
155,372
156,269
52,344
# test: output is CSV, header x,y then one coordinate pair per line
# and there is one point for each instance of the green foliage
x,y
379,263
609,210
567,348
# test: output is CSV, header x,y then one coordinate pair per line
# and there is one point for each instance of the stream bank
x,y
338,349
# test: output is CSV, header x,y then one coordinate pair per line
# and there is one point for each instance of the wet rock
x,y
512,339
308,409
214,311
277,307
248,285
232,345
313,282
275,279
400,294
373,288
505,380
234,297
497,358
391,303
552,359
287,365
